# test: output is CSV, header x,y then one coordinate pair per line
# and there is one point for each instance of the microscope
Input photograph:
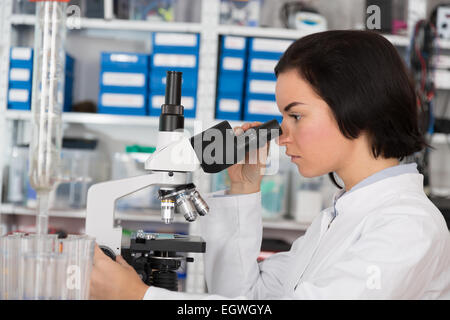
x,y
155,256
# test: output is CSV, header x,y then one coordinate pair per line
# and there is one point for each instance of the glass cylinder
x,y
47,102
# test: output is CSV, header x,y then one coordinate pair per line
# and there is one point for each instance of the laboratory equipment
x,y
47,103
240,12
81,166
17,180
43,267
298,15
214,150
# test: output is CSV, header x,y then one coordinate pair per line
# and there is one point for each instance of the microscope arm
x,y
101,200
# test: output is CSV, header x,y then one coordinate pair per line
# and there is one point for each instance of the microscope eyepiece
x,y
173,88
172,112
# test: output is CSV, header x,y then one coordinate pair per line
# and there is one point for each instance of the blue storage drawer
x,y
158,80
169,42
229,106
188,101
268,48
233,45
126,103
232,62
116,78
19,97
262,87
21,75
261,68
174,62
21,57
125,60
258,108
230,82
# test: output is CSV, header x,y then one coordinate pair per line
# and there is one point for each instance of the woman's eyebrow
x,y
290,105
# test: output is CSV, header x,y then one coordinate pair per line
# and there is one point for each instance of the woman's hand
x,y
246,177
114,280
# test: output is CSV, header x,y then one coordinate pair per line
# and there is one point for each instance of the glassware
x,y
47,103
43,267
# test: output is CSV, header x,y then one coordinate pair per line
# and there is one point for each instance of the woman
x,y
348,108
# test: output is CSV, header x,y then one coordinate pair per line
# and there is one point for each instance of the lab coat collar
x,y
356,200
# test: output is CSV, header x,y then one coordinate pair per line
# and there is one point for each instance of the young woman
x,y
349,108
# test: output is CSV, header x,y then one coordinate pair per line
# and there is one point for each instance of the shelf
x,y
137,215
117,24
397,40
133,25
97,118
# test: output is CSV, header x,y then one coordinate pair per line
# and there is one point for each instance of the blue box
x,y
259,108
133,81
68,93
268,48
19,97
229,106
125,60
68,83
20,75
122,102
230,83
264,87
175,62
261,68
233,45
158,80
188,100
169,42
21,57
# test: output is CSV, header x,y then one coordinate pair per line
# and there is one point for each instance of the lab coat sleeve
x,y
233,234
395,258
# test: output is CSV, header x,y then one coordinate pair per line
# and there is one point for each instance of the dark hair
x,y
366,84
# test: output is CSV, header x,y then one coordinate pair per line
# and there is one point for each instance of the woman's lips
x,y
293,158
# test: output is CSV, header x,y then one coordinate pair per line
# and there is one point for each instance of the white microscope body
x,y
168,168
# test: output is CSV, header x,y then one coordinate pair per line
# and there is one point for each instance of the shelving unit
x,y
137,215
209,29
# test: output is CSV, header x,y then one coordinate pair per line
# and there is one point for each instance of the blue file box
x,y
68,83
19,96
20,75
122,102
158,80
231,83
173,61
21,57
233,45
259,108
169,42
231,73
188,101
264,87
268,48
229,106
125,60
132,80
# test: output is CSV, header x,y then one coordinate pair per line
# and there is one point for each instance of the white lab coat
x,y
388,242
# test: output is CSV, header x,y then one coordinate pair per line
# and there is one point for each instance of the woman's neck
x,y
361,165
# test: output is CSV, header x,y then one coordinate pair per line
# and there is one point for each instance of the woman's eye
x,y
295,116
